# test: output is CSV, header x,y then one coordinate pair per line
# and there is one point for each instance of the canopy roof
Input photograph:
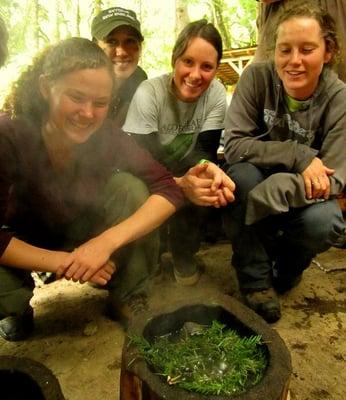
x,y
233,63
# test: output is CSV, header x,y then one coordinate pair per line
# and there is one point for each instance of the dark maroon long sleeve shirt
x,y
36,197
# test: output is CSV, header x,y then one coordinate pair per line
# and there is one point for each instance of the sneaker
x,y
43,278
17,327
284,284
265,303
186,278
126,311
189,273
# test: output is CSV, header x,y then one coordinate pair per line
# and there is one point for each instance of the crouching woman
x,y
285,145
77,197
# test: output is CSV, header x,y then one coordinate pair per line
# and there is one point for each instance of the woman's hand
x,y
316,180
207,185
103,275
88,262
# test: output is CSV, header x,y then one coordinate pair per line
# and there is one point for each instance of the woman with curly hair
x,y
269,11
285,145
76,194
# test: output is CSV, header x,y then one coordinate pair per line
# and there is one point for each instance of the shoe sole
x,y
187,280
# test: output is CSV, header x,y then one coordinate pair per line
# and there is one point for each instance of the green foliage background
x,y
35,23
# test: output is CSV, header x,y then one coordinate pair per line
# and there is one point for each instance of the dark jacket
x,y
36,197
122,97
261,130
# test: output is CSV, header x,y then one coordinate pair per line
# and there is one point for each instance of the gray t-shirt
x,y
155,109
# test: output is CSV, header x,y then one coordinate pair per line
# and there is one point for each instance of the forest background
x,y
34,24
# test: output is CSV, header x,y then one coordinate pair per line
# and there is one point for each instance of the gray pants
x,y
286,241
136,262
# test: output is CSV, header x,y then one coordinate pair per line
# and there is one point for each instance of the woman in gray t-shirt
x,y
179,117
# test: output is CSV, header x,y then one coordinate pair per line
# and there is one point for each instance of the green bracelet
x,y
203,161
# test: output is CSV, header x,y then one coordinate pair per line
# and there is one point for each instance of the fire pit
x,y
23,378
140,381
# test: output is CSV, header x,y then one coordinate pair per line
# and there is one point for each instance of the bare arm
x,y
88,258
19,254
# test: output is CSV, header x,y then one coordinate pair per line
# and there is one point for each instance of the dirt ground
x,y
83,348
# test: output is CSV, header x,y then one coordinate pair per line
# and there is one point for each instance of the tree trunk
x,y
36,25
77,19
57,20
181,16
97,6
218,7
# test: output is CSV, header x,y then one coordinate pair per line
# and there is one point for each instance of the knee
x,y
127,188
123,195
137,190
246,176
323,224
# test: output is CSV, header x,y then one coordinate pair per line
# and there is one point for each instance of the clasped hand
x,y
207,185
89,262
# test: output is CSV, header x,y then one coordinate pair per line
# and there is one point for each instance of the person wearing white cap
x,y
118,32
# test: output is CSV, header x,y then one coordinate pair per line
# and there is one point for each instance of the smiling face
x,y
300,54
194,70
123,48
77,103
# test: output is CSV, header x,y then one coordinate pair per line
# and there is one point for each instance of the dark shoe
x,y
43,278
284,284
189,273
17,327
126,311
265,303
186,278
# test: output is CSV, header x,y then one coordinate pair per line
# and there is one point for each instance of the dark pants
x,y
136,262
182,236
284,243
185,235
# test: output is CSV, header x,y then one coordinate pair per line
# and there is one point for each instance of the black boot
x,y
265,303
17,327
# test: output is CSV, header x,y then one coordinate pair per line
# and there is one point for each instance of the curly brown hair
x,y
297,9
69,55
